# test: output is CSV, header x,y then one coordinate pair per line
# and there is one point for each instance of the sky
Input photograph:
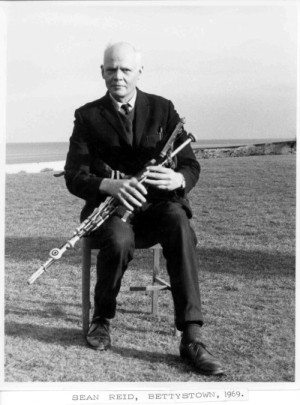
x,y
229,68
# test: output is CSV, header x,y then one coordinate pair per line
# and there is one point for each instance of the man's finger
x,y
125,203
134,192
141,189
137,185
132,197
159,176
159,169
157,182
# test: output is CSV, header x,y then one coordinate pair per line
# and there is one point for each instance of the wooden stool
x,y
158,284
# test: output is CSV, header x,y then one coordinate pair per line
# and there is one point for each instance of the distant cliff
x,y
274,148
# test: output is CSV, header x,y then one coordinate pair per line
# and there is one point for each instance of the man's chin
x,y
118,93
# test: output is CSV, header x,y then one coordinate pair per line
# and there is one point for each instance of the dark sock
x,y
191,332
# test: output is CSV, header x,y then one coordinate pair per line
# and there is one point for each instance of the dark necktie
x,y
128,121
125,108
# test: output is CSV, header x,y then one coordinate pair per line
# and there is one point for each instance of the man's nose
x,y
118,74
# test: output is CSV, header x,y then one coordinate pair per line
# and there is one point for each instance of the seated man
x,y
124,130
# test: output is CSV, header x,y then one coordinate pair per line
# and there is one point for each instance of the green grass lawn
x,y
244,217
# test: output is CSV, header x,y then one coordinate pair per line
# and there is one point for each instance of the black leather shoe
x,y
196,354
98,336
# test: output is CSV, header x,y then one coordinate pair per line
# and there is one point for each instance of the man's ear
x,y
102,70
141,69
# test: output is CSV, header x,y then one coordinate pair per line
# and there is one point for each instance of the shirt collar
x,y
118,105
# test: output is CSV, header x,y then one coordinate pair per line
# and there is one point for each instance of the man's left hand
x,y
163,178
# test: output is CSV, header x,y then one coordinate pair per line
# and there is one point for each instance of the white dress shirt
x,y
118,105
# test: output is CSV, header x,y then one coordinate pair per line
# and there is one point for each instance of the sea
x,y
37,152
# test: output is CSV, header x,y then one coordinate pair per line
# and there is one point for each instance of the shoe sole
x,y
99,348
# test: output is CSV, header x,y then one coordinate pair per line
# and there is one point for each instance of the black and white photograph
x,y
149,204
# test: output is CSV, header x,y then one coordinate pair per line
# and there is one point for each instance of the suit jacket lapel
x,y
110,114
141,116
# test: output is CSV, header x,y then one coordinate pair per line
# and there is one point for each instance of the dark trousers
x,y
166,223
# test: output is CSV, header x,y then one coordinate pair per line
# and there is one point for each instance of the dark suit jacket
x,y
99,145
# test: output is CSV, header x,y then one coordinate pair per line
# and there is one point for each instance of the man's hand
x,y
128,191
163,178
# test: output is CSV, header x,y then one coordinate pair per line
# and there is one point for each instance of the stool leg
x,y
86,274
156,269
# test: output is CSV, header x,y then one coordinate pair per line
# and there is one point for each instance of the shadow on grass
x,y
52,310
153,357
48,311
23,249
74,337
249,263
132,312
27,249
46,334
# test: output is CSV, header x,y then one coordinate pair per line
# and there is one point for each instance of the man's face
x,y
121,71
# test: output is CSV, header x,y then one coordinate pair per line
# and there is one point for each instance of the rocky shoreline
x,y
274,148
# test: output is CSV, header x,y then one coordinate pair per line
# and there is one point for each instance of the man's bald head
x,y
121,48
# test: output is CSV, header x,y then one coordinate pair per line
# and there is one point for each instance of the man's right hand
x,y
128,191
